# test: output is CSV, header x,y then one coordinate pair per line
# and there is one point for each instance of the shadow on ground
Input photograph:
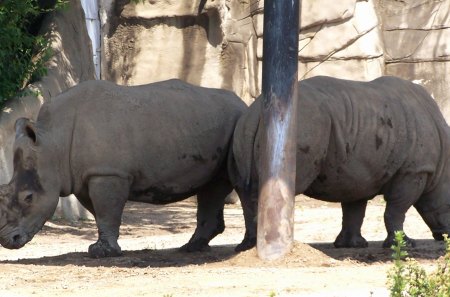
x,y
320,254
426,249
142,258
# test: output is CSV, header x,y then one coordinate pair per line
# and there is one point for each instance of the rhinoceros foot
x,y
390,241
246,244
350,240
438,236
198,245
103,249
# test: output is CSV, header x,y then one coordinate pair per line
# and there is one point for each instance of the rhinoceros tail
x,y
241,153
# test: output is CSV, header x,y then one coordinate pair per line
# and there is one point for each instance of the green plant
x,y
407,278
23,52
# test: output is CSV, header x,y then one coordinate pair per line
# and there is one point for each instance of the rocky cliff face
x,y
416,37
218,43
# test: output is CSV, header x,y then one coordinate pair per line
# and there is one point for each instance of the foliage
x,y
22,54
407,278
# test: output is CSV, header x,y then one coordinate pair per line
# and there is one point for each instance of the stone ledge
x,y
169,8
417,45
426,15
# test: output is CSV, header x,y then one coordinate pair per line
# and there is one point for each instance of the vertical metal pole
x,y
278,146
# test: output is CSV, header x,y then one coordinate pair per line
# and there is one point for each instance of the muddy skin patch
x,y
387,122
321,178
218,153
347,148
25,175
378,142
305,149
198,158
25,178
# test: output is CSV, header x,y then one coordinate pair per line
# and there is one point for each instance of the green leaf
x,y
22,55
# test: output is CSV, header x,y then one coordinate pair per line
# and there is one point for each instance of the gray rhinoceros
x,y
356,140
156,143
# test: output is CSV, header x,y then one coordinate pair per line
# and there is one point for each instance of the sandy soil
x,y
55,262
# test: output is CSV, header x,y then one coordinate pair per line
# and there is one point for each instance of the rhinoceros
x,y
156,143
356,140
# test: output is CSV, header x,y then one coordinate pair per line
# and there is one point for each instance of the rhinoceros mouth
x,y
15,239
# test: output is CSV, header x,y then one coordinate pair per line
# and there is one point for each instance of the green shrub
x,y
407,278
22,54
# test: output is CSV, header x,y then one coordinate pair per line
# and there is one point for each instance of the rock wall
x,y
218,43
71,63
202,42
416,35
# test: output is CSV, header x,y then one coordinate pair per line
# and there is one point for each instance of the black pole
x,y
277,158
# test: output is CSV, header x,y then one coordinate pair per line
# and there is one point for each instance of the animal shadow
x,y
425,249
160,258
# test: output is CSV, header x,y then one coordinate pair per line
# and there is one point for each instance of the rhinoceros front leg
x,y
108,195
352,219
210,222
401,195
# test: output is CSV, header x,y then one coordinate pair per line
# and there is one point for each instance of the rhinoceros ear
x,y
25,127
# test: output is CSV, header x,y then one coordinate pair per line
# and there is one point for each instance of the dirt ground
x,y
55,262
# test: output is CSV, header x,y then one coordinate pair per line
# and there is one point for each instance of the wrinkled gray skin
x,y
156,143
356,140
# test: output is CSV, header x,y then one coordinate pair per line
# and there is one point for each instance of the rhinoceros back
x,y
379,130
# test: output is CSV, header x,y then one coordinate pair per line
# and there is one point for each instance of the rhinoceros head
x,y
31,197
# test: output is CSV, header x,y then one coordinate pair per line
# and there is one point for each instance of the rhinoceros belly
x,y
161,195
348,183
178,182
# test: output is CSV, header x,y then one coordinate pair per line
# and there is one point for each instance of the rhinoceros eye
x,y
28,198
25,198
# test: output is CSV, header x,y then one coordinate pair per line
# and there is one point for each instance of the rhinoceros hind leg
x,y
247,243
200,245
249,202
108,195
403,193
210,222
390,241
352,218
438,236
